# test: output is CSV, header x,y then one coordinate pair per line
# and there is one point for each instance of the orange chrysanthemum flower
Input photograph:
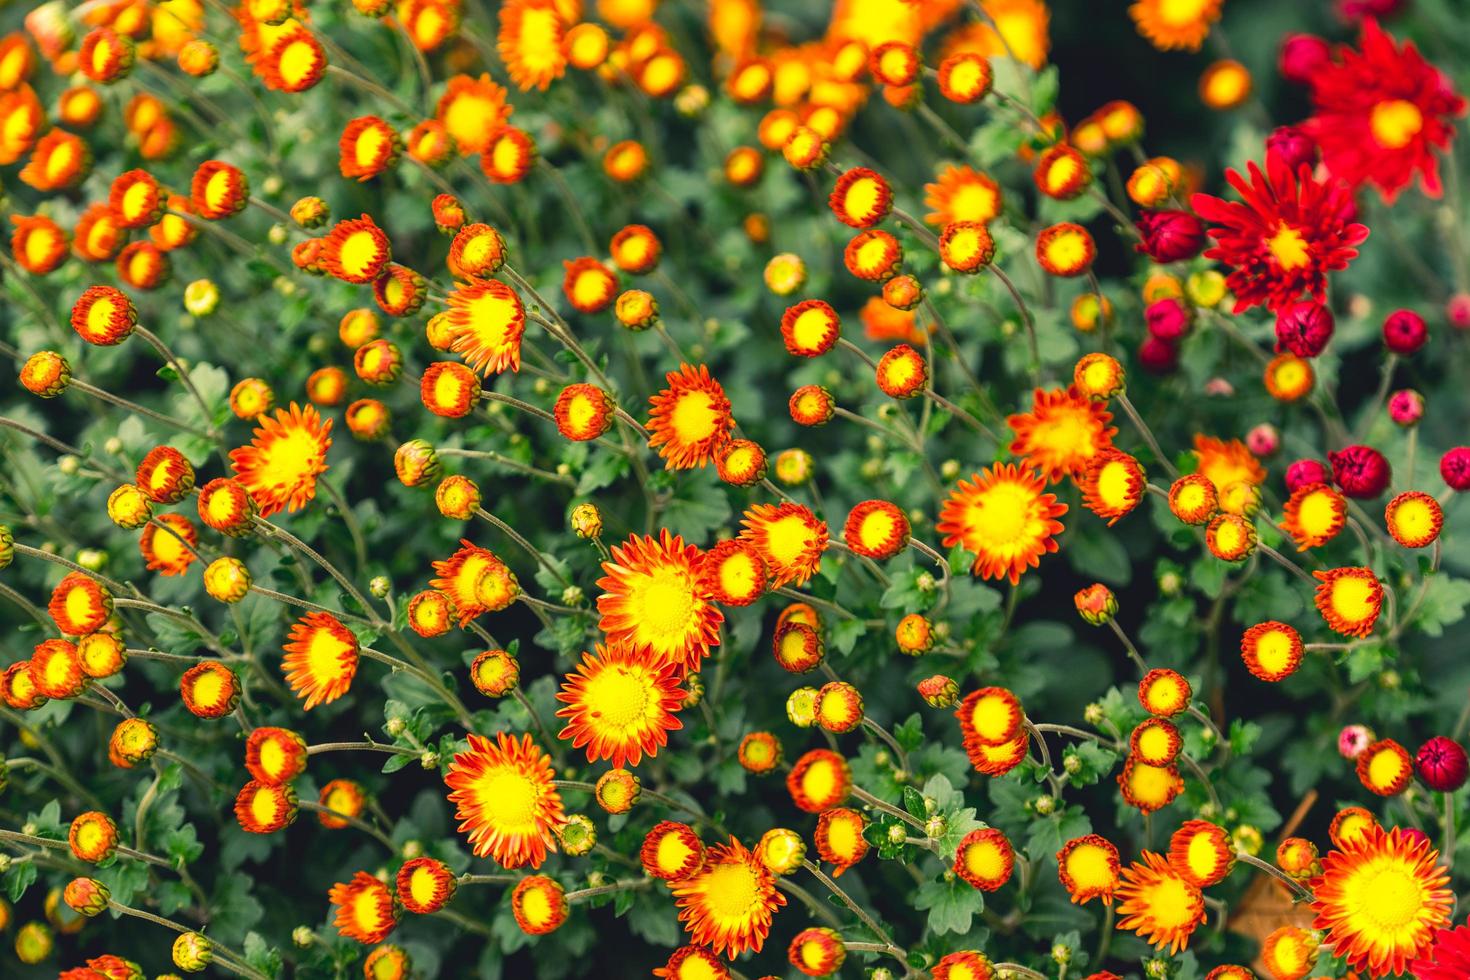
x,y
810,328
56,669
1065,249
79,604
1004,517
343,798
1288,377
449,389
478,250
1155,741
861,198
365,909
530,42
1381,899
876,529
635,249
740,462
1062,433
143,265
1088,868
728,905
92,836
1202,853
691,962
103,316
165,475
690,419
839,838
1414,519
168,544
58,161
1313,515
217,190
321,658
583,412
1172,25
509,156
356,251
873,255
652,601
1226,464
759,752
1230,537
620,705
264,809
505,799
1193,499
280,466
475,581
985,859
997,760
1112,485
1149,788
1164,693
425,885
798,648
472,110
789,538
539,905
1348,824
990,716
38,244
962,194
733,573
671,851
136,198
368,147
1385,768
817,951
1271,651
487,321
1349,599
226,506
820,780
1159,903
588,285
274,756
294,62
209,689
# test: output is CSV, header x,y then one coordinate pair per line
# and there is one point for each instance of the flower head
x,y
365,909
619,705
321,658
505,800
1156,901
652,601
280,467
728,905
1004,517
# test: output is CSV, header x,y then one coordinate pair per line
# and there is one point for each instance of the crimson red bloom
x,y
1442,764
1168,319
1170,235
1454,468
1305,471
1380,114
1302,56
1304,328
1361,471
1448,958
1404,332
1294,146
1284,236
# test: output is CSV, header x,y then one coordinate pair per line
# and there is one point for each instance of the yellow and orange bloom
x,y
251,398
530,42
1380,899
1062,434
509,157
728,905
583,412
990,716
262,808
817,951
165,475
965,78
1004,517
475,581
819,780
809,405
321,659
619,706
789,538
1385,768
487,321
1298,857
539,905
424,885
1202,853
275,756
1112,485
671,851
133,742
652,601
1349,599
876,529
962,195
1289,378
1271,651
901,372
839,707
1065,249
1098,376
226,506
495,673
1062,173
810,328
1414,519
38,244
368,147
505,800
966,246
472,110
218,190
1290,952
343,798
449,389
740,462
1088,868
365,910
45,374
294,62
690,419
635,249
279,468
914,635
92,837
798,648
58,161
79,604
625,161
56,669
873,255
733,573
1155,742
1230,537
1148,788
1173,25
103,316
1348,824
759,752
168,544
692,962
839,838
102,654
356,250
1313,515
861,198
985,859
209,689
1158,903
1192,499
1164,693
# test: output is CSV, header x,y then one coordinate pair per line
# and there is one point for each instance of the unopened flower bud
x,y
1044,805
303,936
896,833
380,586
935,827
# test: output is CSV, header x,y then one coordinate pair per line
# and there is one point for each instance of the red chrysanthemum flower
x,y
620,705
1288,231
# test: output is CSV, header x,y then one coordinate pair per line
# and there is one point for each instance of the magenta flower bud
x,y
1353,11
1406,407
1158,356
1305,472
1404,332
1168,319
1361,472
1301,56
1353,739
1458,311
1170,236
1454,466
1293,145
1263,440
1303,328
1442,764
1413,836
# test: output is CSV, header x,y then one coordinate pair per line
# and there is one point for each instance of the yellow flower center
x,y
1318,514
985,861
731,891
1385,768
694,417
1115,484
539,44
136,199
1273,651
618,697
820,780
423,886
1003,514
371,145
1172,903
1394,123
1352,597
787,538
1180,13
297,62
537,907
506,156
1413,519
1203,856
272,756
1067,251
508,800
324,654
1154,742
844,836
1388,895
673,851
359,253
973,202
263,806
993,718
862,197
1289,248
208,688
738,574
1090,867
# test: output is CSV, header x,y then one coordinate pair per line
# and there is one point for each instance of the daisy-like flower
x,y
143,265
217,190
356,250
344,798
509,156
367,148
966,246
965,78
425,885
449,389
321,658
1349,599
477,252
1381,113
990,716
636,309
136,198
487,321
901,372
102,654
1348,824
1148,788
280,466
728,905
168,544
1289,378
539,905
652,601
819,780
839,838
1158,903
505,799
671,851
1155,742
759,752
1227,465
1062,173
861,198
817,952
530,42
997,760
810,328
38,244
733,573
79,604
365,909
1284,236
209,689
740,462
1173,25
788,537
1202,853
798,647
1112,485
636,249
495,673
810,405
966,964
1065,249
103,316
1290,952
472,110
378,362
294,62
1164,693
262,808
691,962
1414,519
274,756
962,194
399,291
475,581
1272,651
1313,515
58,161
226,506
1088,868
985,859
92,837
1062,433
1385,767
97,236
619,705
876,529
1381,899
56,669
583,412
839,707
690,419
388,962
19,687
1004,517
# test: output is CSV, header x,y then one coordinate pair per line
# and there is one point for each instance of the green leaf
x,y
235,910
1444,603
913,802
20,877
262,955
951,905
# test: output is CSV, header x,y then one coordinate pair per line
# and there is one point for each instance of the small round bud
x,y
303,936
1061,954
586,521
429,760
395,727
572,595
380,586
192,952
896,833
935,827
1044,805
